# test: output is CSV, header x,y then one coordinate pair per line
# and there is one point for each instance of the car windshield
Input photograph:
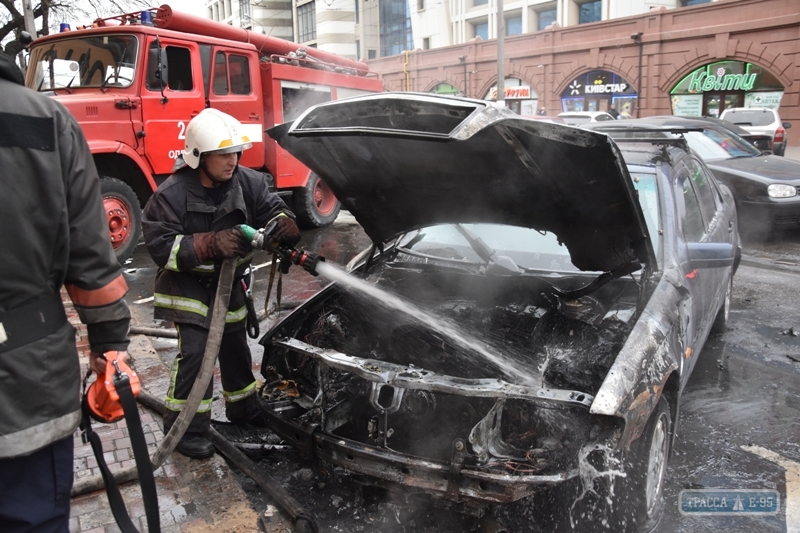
x,y
713,145
749,117
96,61
528,248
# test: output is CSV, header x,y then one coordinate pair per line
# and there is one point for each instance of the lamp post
x,y
501,35
637,38
463,60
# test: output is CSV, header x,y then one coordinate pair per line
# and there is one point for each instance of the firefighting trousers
x,y
235,366
34,490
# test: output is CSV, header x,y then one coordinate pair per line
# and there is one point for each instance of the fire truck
x,y
135,81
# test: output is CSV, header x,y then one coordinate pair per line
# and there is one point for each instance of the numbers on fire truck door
x,y
182,132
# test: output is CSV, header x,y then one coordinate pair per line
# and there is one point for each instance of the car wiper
x,y
598,282
494,263
481,248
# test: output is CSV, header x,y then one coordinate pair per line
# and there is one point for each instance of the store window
x,y
597,91
590,12
446,88
514,25
712,88
519,96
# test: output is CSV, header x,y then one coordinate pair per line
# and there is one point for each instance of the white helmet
x,y
213,131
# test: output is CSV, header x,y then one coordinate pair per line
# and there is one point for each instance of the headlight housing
x,y
777,190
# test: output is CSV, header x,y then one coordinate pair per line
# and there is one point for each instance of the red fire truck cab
x,y
135,81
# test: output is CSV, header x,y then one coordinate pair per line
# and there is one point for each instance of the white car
x,y
757,120
574,118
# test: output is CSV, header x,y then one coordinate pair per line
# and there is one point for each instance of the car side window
x,y
693,227
705,190
180,69
220,74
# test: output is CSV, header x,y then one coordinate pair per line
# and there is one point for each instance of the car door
x,y
234,90
702,220
720,227
171,96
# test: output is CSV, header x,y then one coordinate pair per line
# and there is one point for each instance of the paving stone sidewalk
x,y
194,496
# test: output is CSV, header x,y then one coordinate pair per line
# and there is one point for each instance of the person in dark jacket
x,y
189,228
54,234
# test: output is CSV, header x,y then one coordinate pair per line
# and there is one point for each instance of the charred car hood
x,y
403,161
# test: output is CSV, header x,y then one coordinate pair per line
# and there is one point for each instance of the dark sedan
x,y
531,309
766,187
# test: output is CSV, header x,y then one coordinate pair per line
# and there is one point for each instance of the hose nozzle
x,y
260,240
301,258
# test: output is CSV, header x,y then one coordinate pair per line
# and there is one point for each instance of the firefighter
x,y
189,228
54,234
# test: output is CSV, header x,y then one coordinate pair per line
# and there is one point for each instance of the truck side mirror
x,y
157,78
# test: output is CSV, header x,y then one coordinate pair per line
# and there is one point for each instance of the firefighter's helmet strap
x,y
140,454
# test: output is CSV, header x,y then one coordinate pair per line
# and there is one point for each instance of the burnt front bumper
x,y
453,481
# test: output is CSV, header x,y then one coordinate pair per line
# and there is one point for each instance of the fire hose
x,y
259,239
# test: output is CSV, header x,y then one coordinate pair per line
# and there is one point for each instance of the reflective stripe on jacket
x,y
185,287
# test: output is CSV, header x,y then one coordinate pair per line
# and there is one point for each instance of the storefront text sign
x,y
523,92
701,81
606,88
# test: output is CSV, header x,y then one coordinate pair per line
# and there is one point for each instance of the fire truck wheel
x,y
315,204
124,215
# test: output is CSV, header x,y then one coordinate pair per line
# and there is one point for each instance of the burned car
x,y
531,308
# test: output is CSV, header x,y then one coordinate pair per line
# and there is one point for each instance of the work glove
x,y
286,232
218,245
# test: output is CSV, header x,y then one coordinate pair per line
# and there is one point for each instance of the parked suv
x,y
760,120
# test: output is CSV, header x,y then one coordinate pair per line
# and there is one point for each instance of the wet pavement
x,y
739,426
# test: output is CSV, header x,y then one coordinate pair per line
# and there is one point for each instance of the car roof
x,y
581,113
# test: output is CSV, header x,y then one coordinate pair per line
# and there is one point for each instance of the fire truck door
x,y
174,66
236,90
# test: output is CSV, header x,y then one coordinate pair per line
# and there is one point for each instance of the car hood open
x,y
403,161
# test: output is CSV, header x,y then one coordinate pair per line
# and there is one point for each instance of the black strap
x,y
141,455
143,465
32,321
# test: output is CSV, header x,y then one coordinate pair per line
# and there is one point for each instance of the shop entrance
x,y
714,103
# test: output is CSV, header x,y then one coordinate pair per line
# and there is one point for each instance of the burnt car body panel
x,y
385,395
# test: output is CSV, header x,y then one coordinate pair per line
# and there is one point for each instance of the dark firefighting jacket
x,y
185,288
53,232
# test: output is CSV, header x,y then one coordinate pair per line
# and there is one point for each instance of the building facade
x,y
273,17
694,60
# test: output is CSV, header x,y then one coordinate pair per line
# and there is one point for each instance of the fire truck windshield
x,y
92,61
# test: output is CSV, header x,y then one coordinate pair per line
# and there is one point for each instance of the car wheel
x,y
721,320
628,495
315,205
124,216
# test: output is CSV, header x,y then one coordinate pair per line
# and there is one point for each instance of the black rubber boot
x,y
195,447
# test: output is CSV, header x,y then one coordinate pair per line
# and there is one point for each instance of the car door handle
x,y
253,116
195,113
